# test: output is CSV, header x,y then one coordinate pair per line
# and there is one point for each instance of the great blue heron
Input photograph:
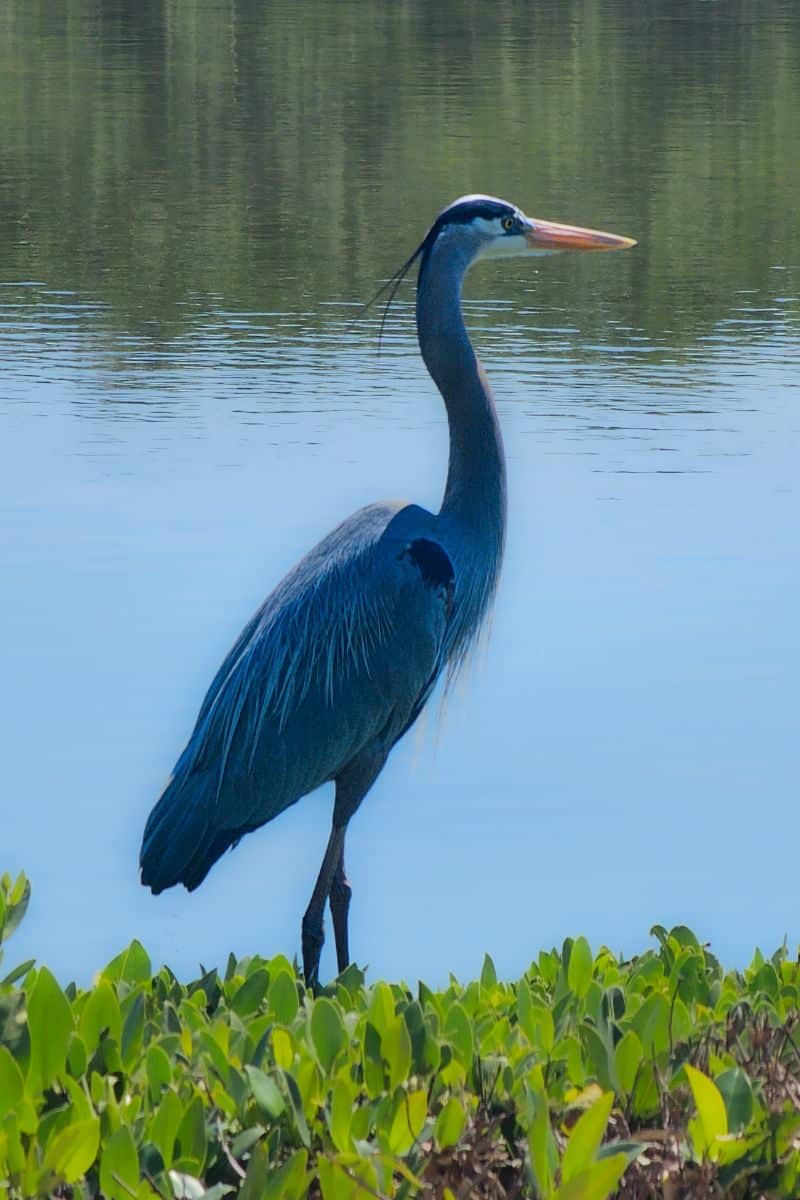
x,y
339,661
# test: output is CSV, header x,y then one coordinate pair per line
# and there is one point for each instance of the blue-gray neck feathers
x,y
473,512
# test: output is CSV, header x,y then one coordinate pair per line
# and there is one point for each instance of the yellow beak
x,y
549,235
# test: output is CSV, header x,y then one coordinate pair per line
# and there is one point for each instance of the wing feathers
x,y
345,650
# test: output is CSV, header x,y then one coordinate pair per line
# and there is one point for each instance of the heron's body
x,y
341,658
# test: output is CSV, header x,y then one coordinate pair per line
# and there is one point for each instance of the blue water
x,y
623,751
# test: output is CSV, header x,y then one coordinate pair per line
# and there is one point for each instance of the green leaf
x,y
296,1102
159,1071
354,1180
458,1031
396,1050
409,1117
15,907
131,966
628,1055
327,1032
264,1182
585,1137
450,1123
712,1120
537,1024
190,1140
12,1085
282,997
579,974
17,973
119,1166
73,1150
100,1012
342,1098
737,1092
541,1145
164,1126
49,1024
133,1030
249,996
266,1092
597,1182
488,974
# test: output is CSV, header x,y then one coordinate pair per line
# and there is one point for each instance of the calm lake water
x,y
195,197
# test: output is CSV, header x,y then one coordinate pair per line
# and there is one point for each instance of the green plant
x,y
590,1076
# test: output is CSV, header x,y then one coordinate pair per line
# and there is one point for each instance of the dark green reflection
x,y
164,154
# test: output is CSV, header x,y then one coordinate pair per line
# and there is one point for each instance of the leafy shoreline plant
x,y
589,1077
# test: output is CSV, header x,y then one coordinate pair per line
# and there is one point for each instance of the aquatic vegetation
x,y
590,1076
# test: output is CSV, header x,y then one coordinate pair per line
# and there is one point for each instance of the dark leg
x,y
352,785
313,930
340,904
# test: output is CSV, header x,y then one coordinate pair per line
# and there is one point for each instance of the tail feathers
x,y
180,844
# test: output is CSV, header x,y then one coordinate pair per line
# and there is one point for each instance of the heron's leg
x,y
352,785
313,929
340,905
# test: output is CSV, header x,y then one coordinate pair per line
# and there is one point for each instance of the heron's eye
x,y
509,223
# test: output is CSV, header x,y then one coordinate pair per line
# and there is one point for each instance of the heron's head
x,y
485,227
476,227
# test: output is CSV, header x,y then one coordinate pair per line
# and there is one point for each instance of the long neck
x,y
475,493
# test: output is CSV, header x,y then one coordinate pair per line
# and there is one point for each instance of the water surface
x,y
194,200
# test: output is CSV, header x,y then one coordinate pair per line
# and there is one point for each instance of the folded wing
x,y
344,652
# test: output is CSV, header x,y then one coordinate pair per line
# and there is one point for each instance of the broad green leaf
x,y
266,1092
77,1058
711,1121
12,1085
539,1028
355,1180
541,1146
458,1031
119,1166
408,1120
288,1182
597,1182
381,1006
327,1032
190,1139
600,1056
488,974
282,1048
396,1050
73,1150
579,974
49,1024
159,1071
585,1138
131,966
342,1098
100,1012
628,1055
651,1023
737,1092
450,1123
250,995
164,1126
282,997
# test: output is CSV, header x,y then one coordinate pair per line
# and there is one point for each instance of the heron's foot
x,y
313,940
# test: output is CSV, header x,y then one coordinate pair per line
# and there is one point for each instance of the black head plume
x,y
460,212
